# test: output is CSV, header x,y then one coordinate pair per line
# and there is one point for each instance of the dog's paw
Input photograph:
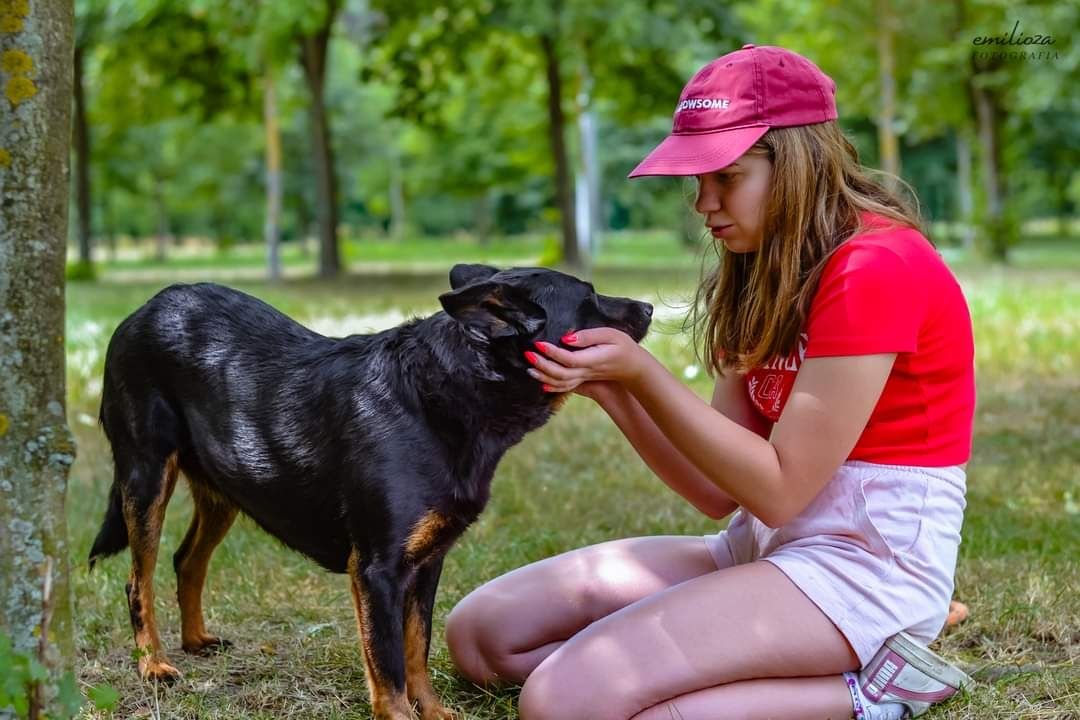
x,y
205,645
156,669
437,712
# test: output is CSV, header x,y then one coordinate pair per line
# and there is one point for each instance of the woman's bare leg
x,y
809,698
508,626
722,628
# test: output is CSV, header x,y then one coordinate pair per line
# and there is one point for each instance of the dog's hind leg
x,y
419,605
147,487
379,600
212,519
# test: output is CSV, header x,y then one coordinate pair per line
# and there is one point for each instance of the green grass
x,y
296,652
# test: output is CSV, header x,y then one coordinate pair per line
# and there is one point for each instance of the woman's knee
x,y
573,683
465,628
546,695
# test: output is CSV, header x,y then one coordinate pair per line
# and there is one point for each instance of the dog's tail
x,y
113,535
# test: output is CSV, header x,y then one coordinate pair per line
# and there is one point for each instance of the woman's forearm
x,y
669,464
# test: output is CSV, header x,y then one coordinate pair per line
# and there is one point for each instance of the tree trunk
x,y
161,239
988,116
36,446
589,222
397,194
313,59
483,220
963,190
557,131
273,176
82,161
887,140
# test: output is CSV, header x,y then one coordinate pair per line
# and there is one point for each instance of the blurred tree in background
x,y
275,121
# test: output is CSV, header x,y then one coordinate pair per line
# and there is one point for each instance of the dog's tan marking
x,y
386,702
424,535
144,536
417,677
212,519
559,401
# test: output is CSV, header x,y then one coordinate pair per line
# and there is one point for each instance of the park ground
x,y
576,481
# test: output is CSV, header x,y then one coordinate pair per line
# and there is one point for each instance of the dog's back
x,y
253,407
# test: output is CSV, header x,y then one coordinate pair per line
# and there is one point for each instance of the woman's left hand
x,y
608,354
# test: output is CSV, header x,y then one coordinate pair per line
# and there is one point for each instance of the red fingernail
x,y
548,388
540,346
569,338
530,356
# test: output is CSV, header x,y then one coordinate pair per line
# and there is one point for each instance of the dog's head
x,y
512,308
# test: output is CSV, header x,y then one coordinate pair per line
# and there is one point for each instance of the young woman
x,y
838,433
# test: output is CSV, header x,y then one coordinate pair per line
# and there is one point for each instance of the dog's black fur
x,y
371,454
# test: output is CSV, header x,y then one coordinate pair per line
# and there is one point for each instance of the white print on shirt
x,y
790,362
768,390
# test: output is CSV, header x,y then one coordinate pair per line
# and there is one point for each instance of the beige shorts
x,y
875,550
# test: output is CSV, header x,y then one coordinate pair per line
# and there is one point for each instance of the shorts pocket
x,y
894,503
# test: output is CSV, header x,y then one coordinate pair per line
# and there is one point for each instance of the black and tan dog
x,y
370,454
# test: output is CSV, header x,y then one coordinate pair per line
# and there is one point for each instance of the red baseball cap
x,y
731,102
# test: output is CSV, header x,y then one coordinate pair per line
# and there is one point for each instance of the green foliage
x,y
81,272
21,672
443,106
553,252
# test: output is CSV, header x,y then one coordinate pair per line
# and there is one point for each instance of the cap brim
x,y
698,153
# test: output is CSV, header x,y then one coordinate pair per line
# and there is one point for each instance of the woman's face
x,y
732,202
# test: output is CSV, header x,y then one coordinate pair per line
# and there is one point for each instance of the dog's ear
x,y
464,274
495,309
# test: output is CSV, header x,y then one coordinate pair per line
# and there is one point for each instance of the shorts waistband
x,y
953,473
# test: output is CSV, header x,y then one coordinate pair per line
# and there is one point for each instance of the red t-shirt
x,y
886,289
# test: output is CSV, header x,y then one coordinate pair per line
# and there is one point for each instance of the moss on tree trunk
x,y
36,446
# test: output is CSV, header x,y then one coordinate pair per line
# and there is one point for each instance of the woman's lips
x,y
721,230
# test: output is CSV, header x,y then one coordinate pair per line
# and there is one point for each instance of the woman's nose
x,y
708,197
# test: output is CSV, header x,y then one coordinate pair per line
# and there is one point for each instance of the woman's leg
x,y
506,627
809,698
732,625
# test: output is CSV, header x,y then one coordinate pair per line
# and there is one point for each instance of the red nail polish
x,y
569,338
540,346
530,356
547,388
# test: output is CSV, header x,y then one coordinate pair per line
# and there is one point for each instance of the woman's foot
x,y
909,674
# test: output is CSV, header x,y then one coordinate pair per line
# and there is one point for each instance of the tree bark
x,y
887,141
985,115
161,239
36,446
557,132
313,59
963,190
82,162
988,116
273,176
397,195
589,221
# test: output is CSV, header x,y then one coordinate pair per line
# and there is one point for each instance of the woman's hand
x,y
607,354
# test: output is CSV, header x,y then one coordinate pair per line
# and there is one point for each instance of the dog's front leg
x,y
379,597
419,604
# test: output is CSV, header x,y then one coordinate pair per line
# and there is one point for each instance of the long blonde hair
x,y
751,307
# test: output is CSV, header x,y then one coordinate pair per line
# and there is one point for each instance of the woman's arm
x,y
774,479
665,460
